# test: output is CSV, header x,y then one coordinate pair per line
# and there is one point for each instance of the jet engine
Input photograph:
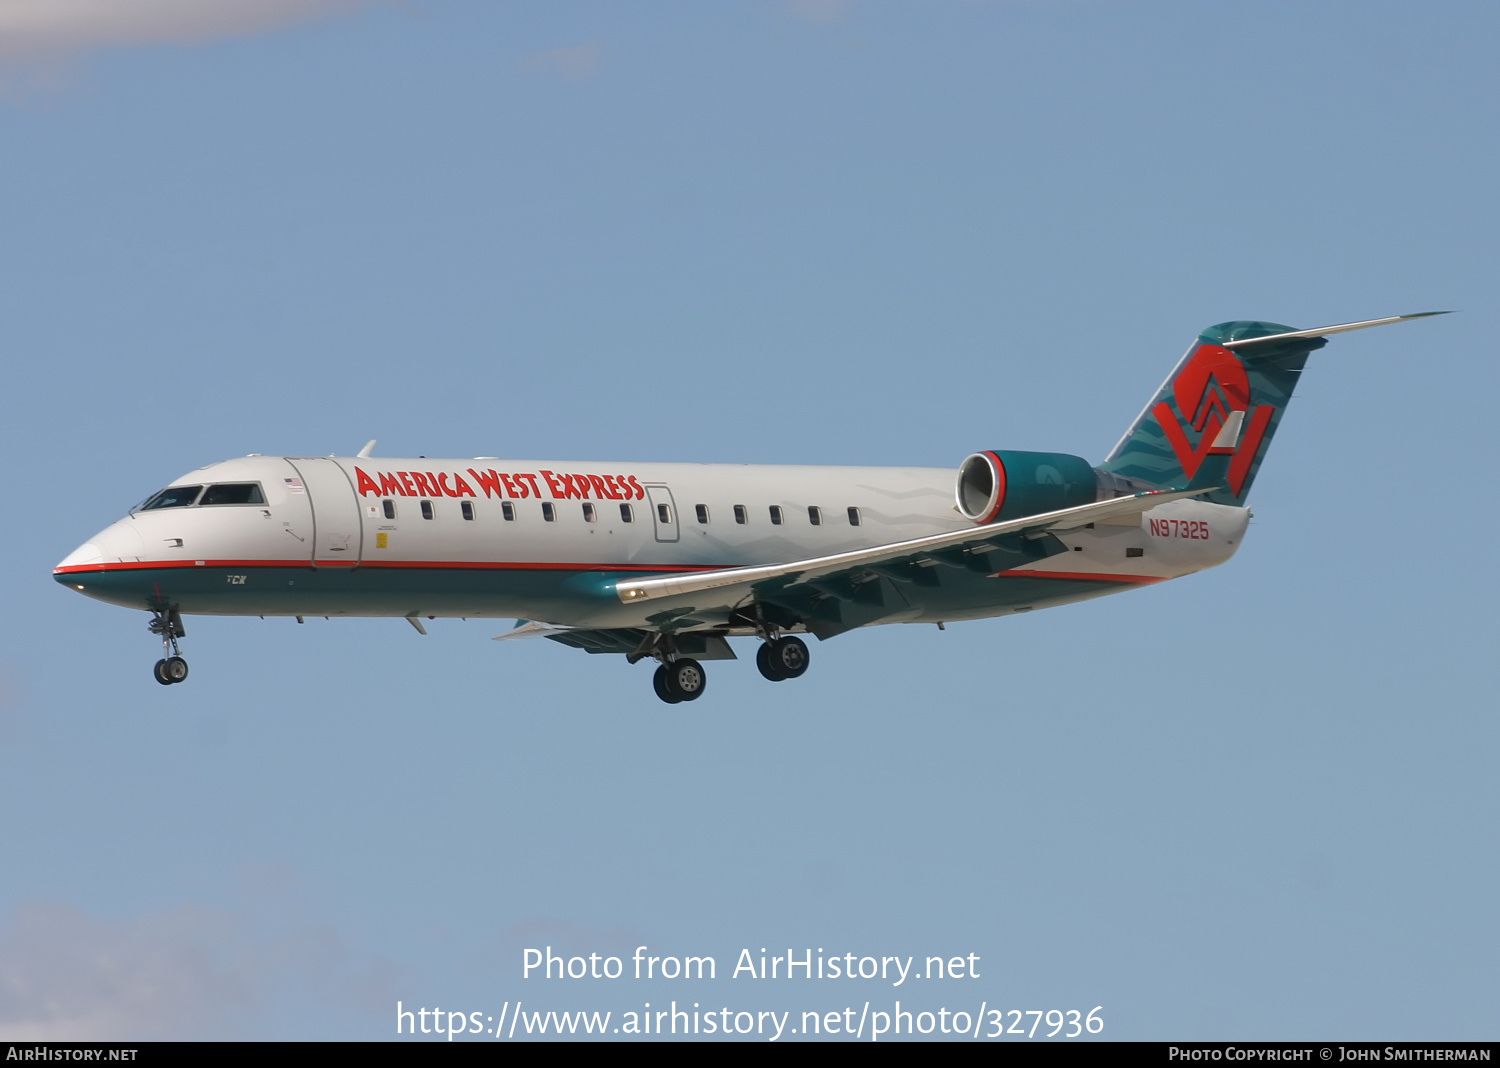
x,y
1001,485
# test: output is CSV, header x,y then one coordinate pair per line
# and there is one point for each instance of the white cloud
x,y
47,30
67,976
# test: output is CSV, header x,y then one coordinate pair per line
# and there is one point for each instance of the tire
x,y
685,679
160,671
788,656
763,662
175,669
659,684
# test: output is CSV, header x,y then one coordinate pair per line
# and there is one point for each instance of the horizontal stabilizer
x,y
973,539
1324,331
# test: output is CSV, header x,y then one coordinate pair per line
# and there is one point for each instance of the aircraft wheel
x,y
160,671
763,662
685,679
659,684
175,669
787,656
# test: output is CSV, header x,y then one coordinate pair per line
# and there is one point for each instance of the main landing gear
x,y
171,667
680,678
782,658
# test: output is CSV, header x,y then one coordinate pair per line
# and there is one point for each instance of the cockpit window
x,y
172,497
233,493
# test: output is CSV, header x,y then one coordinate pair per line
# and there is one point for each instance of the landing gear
x,y
170,670
171,667
782,658
679,680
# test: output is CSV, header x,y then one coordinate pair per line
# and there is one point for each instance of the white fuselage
x,y
544,540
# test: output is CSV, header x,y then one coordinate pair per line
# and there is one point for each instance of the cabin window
x,y
815,515
507,511
548,512
664,513
627,514
427,510
467,508
588,513
741,516
702,513
776,515
172,497
1135,552
388,506
854,517
233,493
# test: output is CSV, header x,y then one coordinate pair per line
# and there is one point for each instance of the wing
x,y
841,574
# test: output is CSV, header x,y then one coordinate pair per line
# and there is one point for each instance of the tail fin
x,y
1212,421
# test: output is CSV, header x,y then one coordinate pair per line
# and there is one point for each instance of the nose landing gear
x,y
171,667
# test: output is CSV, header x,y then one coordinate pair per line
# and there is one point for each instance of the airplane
x,y
666,561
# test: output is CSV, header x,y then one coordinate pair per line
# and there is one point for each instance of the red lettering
x,y
389,486
461,488
487,482
599,486
421,480
510,487
405,477
552,484
640,494
610,490
432,481
442,484
366,483
535,489
581,485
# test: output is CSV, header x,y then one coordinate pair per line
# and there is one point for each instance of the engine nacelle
x,y
1008,485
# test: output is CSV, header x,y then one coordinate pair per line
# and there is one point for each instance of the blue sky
x,y
1255,803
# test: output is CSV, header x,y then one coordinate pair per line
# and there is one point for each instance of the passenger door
x,y
663,512
338,534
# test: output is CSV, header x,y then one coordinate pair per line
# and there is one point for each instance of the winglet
x,y
367,450
1323,331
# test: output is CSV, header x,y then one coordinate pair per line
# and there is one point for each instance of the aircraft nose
x,y
116,542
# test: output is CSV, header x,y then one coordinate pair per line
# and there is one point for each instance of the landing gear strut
x,y
782,658
171,667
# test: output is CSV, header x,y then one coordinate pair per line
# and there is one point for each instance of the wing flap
x,y
732,584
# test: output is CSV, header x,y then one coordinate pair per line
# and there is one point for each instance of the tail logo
x,y
1210,386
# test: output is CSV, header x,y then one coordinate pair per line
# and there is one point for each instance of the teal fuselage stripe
x,y
577,597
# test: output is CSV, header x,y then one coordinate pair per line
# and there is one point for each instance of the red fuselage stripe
x,y
461,565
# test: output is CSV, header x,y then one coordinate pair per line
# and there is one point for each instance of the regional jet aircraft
x,y
664,562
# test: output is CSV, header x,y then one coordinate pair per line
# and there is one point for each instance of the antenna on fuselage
x,y
367,450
